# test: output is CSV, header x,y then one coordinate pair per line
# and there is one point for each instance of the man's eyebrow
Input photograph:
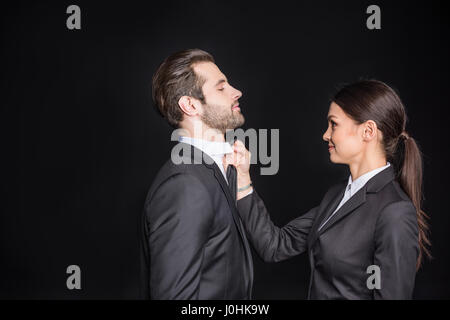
x,y
220,81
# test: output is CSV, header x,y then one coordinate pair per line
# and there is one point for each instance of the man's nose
x,y
236,94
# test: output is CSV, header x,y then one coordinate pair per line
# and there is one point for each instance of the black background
x,y
82,141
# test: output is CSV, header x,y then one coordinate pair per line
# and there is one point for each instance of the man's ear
x,y
370,130
189,105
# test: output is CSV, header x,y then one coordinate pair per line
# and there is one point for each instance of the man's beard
x,y
216,118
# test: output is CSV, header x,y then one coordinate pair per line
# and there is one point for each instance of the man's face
x,y
221,109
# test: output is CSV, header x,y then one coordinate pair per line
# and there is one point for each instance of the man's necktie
x,y
232,180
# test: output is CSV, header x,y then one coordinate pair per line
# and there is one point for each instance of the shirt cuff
x,y
251,191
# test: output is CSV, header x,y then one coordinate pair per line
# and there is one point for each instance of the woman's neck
x,y
358,168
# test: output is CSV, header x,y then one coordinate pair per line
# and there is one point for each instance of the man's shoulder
x,y
171,167
171,172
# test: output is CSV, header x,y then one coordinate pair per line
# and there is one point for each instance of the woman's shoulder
x,y
392,192
395,205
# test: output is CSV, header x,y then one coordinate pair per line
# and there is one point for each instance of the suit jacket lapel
x,y
373,186
200,157
325,214
232,204
354,202
237,220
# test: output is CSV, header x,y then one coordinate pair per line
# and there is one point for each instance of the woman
x,y
368,236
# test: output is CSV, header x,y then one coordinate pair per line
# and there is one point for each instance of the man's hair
x,y
175,78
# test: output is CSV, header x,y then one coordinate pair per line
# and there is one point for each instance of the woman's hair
x,y
374,100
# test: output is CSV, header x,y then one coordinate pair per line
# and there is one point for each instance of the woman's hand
x,y
240,158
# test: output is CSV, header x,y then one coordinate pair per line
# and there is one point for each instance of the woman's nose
x,y
326,136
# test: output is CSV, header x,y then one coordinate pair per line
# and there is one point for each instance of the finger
x,y
230,158
239,148
239,143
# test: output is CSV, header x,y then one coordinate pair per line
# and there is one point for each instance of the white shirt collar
x,y
354,186
215,149
211,148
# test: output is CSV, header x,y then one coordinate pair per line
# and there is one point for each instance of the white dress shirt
x,y
354,186
215,149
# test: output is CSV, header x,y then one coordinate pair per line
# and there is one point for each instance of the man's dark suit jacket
x,y
194,244
376,226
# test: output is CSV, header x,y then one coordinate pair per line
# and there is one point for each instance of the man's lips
x,y
236,106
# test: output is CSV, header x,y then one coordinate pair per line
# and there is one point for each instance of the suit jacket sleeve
x,y
179,217
271,242
396,251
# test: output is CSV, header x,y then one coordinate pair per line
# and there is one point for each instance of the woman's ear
x,y
189,105
370,130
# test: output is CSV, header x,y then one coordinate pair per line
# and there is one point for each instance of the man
x,y
194,245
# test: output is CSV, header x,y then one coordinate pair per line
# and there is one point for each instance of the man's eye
x,y
221,89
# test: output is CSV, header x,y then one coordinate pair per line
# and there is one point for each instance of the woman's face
x,y
344,136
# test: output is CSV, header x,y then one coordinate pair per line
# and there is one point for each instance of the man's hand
x,y
240,158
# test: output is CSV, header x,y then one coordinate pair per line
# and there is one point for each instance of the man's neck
x,y
203,132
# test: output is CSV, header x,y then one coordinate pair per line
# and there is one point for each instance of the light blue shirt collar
x,y
355,186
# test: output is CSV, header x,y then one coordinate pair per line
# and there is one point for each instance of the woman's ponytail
x,y
410,178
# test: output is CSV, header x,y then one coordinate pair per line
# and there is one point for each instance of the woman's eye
x,y
333,124
221,89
